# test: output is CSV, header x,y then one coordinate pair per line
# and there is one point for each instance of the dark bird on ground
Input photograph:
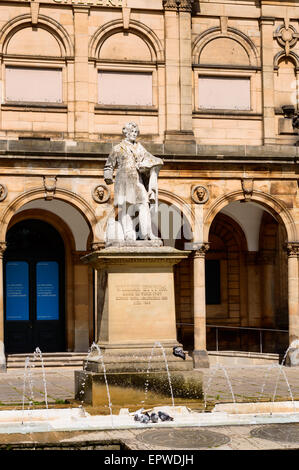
x,y
164,416
154,418
178,352
138,415
144,418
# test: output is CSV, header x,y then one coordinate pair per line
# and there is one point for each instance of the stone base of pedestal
x,y
292,359
137,358
200,359
90,387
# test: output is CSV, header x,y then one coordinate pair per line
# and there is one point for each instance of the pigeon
x,y
138,415
144,418
164,416
178,352
141,416
154,417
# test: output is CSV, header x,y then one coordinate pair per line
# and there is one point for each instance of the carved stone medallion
x,y
3,192
200,194
101,193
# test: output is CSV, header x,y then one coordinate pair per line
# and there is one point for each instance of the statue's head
x,y
131,131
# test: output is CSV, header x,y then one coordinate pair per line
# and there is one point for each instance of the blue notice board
x,y
17,291
47,290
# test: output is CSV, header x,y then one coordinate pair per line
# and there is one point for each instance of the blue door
x,y
34,288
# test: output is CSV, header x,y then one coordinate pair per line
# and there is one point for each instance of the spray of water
x,y
95,348
158,344
28,380
217,367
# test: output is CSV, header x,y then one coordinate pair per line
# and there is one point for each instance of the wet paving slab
x,y
224,438
248,383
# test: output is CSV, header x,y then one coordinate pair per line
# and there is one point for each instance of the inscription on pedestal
x,y
142,294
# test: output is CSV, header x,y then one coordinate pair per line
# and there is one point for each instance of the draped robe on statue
x,y
136,179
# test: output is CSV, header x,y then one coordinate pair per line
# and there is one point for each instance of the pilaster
x,y
81,14
267,48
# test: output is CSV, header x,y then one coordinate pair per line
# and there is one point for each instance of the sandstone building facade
x,y
213,86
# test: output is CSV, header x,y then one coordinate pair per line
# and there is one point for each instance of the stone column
x,y
2,350
253,283
267,260
200,355
81,14
267,29
293,290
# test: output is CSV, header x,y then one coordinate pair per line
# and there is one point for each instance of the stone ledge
x,y
239,358
170,151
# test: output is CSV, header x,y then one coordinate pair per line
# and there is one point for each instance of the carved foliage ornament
x,y
292,249
201,250
184,5
2,248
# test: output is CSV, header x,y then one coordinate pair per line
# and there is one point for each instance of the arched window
x,y
35,59
127,65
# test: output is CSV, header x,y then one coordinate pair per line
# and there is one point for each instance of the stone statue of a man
x,y
136,183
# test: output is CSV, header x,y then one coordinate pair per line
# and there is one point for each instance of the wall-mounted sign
x,y
17,291
47,290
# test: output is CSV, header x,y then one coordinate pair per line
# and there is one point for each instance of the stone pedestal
x,y
136,313
136,306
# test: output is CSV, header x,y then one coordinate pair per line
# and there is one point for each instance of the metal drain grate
x,y
278,432
183,438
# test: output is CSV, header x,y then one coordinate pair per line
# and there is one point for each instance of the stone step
x,y
49,359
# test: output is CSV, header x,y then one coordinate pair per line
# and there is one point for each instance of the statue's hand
x,y
152,197
108,181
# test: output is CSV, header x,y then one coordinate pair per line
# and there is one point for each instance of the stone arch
x,y
231,34
224,279
229,232
54,28
53,219
136,28
38,193
181,205
281,55
276,207
286,67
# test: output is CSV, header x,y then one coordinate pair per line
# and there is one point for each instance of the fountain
x,y
78,419
157,343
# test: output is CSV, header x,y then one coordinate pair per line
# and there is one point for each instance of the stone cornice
x,y
170,150
137,256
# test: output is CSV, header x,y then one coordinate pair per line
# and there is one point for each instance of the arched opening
x,y
34,292
246,281
74,227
